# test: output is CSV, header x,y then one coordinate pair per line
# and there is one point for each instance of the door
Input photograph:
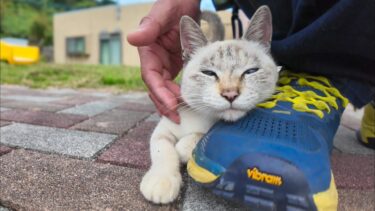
x,y
110,49
115,46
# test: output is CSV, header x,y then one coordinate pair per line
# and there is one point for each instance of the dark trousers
x,y
335,38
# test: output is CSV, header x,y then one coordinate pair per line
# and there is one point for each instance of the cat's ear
x,y
192,37
260,27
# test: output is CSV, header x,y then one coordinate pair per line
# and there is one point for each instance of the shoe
x,y
278,156
366,135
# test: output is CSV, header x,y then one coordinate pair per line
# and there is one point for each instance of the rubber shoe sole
x,y
250,180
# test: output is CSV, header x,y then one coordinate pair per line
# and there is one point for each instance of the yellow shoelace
x,y
301,99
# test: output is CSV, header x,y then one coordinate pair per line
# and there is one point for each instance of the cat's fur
x,y
229,86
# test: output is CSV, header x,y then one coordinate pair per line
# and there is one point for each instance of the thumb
x,y
147,32
154,24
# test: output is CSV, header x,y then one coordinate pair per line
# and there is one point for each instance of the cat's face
x,y
226,79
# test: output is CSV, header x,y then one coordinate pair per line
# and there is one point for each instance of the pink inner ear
x,y
260,28
191,36
186,45
267,28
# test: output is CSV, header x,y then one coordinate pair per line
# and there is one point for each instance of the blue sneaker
x,y
278,156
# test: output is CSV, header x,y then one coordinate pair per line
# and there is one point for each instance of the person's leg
x,y
366,134
331,38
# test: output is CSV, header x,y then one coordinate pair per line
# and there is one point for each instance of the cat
x,y
222,80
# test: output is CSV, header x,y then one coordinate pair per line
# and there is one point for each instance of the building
x,y
98,35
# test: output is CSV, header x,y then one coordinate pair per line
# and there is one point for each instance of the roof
x,y
15,41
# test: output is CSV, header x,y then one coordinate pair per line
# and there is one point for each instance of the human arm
x,y
158,42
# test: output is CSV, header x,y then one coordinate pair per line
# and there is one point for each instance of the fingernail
x,y
144,23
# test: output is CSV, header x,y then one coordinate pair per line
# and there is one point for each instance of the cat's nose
x,y
230,95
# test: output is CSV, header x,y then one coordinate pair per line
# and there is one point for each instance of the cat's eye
x,y
209,73
251,70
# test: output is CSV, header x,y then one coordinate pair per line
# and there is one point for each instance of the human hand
x,y
158,42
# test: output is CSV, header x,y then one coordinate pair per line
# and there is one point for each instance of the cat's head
x,y
226,79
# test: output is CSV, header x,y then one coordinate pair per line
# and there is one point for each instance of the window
x,y
75,46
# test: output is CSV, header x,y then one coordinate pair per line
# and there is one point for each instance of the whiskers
x,y
195,104
208,104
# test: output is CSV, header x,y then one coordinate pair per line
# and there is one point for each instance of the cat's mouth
x,y
234,108
232,114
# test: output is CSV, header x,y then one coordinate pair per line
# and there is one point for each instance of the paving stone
x,y
96,93
4,123
2,101
134,95
3,90
63,141
91,109
335,151
356,200
137,97
352,118
115,121
138,107
51,92
354,171
76,100
42,118
3,109
131,150
155,117
61,91
3,208
14,89
31,98
346,141
36,181
36,106
99,94
198,198
4,150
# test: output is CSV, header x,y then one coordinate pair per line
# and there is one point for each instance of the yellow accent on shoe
x,y
302,99
368,124
327,200
200,174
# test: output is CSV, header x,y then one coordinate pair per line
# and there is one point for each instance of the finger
x,y
174,88
160,18
170,114
157,104
146,33
152,76
155,51
174,117
162,110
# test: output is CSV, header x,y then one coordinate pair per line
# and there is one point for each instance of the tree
x,y
41,30
33,18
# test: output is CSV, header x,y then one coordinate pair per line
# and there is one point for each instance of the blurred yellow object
x,y
17,54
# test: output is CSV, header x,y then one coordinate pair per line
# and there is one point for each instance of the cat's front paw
x,y
186,145
161,187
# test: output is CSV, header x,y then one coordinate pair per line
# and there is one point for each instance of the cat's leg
x,y
162,182
186,145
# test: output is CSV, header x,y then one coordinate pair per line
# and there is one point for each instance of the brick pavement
x,y
63,149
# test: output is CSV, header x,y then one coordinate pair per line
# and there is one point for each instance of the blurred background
x,y
74,43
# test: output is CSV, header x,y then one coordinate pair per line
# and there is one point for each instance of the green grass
x,y
114,78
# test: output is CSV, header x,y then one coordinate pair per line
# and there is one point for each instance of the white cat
x,y
221,80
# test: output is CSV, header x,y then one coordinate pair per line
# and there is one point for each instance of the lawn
x,y
113,78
